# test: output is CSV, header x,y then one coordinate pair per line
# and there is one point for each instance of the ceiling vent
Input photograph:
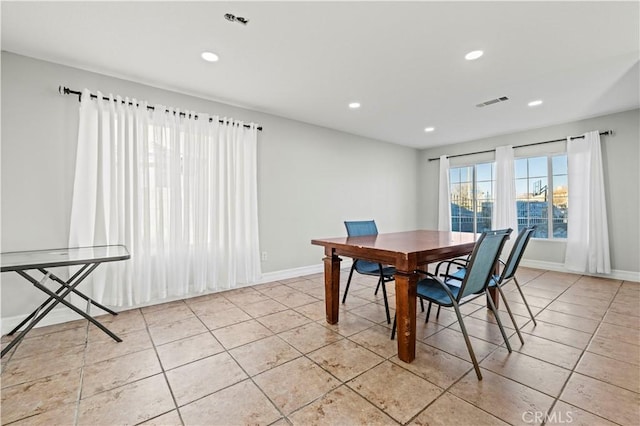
x,y
492,101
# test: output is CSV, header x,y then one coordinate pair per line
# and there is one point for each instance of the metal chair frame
x,y
462,297
508,274
384,274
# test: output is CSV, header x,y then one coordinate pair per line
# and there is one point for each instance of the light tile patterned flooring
x,y
265,355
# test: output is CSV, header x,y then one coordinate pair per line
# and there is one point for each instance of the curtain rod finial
x,y
63,90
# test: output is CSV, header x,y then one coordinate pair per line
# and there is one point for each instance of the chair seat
x,y
371,268
431,290
454,292
359,228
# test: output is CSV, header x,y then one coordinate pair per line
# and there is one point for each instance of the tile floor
x,y
264,355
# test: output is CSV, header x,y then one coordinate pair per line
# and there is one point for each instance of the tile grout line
x,y
512,334
480,361
346,384
344,337
227,351
305,355
164,374
284,417
573,370
76,414
249,377
469,371
340,381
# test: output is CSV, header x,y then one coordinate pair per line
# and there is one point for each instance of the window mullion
x,y
550,197
474,192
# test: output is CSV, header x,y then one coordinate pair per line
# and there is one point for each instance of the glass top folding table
x,y
25,263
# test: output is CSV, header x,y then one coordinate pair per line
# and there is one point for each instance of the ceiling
x,y
403,61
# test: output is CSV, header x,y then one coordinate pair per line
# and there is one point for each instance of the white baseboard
x,y
56,316
290,273
299,272
615,274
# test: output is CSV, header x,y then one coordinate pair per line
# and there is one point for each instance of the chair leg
x,y
524,300
346,290
495,312
513,320
426,319
393,329
386,302
438,313
422,304
375,293
467,341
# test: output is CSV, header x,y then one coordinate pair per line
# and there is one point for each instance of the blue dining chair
x,y
384,273
474,284
498,281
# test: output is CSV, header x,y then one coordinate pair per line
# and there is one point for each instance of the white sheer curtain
x,y
504,213
588,235
180,193
444,196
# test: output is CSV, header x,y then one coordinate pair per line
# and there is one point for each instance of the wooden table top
x,y
397,248
402,242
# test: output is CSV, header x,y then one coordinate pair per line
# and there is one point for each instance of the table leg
x,y
406,285
46,302
66,285
57,298
332,286
492,290
493,293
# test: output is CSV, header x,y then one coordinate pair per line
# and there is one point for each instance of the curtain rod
x,y
606,132
67,91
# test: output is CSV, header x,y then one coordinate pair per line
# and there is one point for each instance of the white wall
x,y
621,156
311,178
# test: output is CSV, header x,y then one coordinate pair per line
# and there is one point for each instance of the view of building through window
x,y
471,197
541,196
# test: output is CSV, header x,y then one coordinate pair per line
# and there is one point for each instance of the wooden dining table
x,y
406,251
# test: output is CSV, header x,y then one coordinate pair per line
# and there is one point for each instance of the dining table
x,y
406,251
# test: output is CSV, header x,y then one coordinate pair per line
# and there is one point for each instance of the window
x,y
471,189
542,195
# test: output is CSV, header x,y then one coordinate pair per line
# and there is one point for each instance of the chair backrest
x,y
517,251
482,263
359,228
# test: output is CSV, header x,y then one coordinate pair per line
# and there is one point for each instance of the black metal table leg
x,y
34,313
59,298
67,284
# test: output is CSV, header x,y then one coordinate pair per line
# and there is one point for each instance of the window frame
x,y
474,191
551,177
550,192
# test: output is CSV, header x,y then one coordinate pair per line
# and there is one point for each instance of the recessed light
x,y
354,105
209,56
429,129
535,103
473,55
